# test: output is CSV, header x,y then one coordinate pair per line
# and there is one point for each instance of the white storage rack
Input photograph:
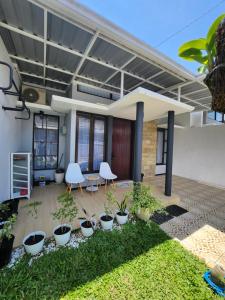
x,y
21,175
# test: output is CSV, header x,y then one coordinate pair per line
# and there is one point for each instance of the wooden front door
x,y
121,148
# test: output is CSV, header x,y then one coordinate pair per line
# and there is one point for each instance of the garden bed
x,y
137,262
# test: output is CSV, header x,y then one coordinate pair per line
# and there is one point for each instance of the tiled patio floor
x,y
202,229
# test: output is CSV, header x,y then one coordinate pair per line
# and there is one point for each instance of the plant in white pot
x,y
144,204
122,212
87,224
107,217
6,240
65,213
59,173
34,241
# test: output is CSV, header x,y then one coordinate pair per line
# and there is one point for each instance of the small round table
x,y
92,183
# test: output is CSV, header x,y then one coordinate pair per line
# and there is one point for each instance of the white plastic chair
x,y
74,175
106,173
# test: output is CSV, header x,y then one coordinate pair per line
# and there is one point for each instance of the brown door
x,y
121,148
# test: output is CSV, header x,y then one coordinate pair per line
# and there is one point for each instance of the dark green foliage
x,y
138,262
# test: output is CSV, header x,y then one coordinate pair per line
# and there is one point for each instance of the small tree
x,y
6,231
67,210
32,209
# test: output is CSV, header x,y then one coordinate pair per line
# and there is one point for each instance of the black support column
x,y
169,157
109,140
138,141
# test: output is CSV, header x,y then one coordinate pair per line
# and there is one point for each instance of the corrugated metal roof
x,y
31,79
20,45
66,34
27,16
55,85
95,71
193,86
149,86
62,59
23,14
200,94
30,68
58,75
166,80
109,53
142,68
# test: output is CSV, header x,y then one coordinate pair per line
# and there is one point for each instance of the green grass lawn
x,y
138,262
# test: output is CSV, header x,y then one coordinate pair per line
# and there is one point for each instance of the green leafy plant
x,y
67,210
4,208
122,206
6,231
88,218
202,50
32,208
143,199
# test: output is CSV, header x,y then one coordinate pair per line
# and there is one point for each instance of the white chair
x,y
106,173
74,175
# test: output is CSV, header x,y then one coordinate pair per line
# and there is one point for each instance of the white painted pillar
x,y
179,93
70,137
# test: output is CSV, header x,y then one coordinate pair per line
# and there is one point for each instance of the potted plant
x,y
87,224
59,173
106,218
34,241
6,240
121,212
144,203
66,212
8,208
218,276
209,52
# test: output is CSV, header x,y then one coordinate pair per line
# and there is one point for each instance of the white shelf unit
x,y
21,175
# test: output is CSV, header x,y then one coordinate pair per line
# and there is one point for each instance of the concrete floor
x,y
202,229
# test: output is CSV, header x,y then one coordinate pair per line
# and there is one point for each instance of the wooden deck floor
x,y
93,203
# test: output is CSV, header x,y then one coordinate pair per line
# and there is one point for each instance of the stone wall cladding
x,y
149,145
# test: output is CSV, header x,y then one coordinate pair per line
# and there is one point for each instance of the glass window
x,y
90,142
45,142
99,145
83,143
161,146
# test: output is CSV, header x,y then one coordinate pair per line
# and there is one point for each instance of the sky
x,y
152,21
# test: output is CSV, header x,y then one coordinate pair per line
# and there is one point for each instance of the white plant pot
x,y
59,177
122,219
36,248
106,225
62,239
86,231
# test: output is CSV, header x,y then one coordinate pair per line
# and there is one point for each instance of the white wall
x,y
199,154
10,131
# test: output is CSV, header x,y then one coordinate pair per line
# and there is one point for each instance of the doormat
x,y
171,212
160,217
124,184
175,210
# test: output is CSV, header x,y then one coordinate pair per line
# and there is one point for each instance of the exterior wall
x,y
10,131
27,140
149,149
199,154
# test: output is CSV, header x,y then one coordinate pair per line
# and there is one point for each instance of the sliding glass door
x,y
90,141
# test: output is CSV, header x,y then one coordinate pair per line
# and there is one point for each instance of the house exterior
x,y
100,94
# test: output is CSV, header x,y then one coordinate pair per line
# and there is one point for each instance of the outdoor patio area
x,y
202,229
